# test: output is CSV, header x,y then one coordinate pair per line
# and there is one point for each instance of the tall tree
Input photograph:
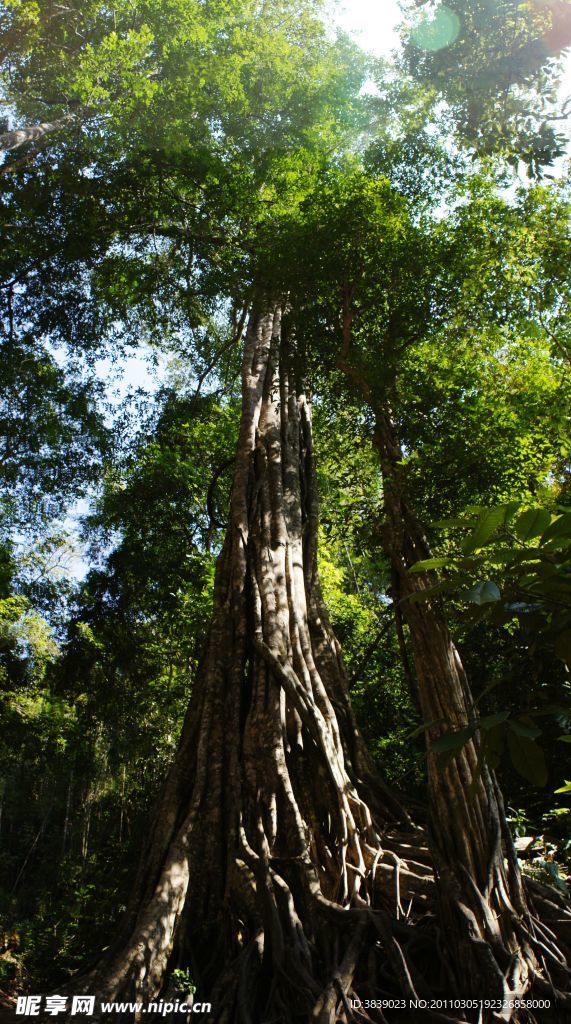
x,y
251,867
393,289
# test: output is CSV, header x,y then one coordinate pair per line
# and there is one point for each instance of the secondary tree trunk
x,y
496,947
265,865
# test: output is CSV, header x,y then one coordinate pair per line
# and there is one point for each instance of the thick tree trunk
x,y
265,870
496,947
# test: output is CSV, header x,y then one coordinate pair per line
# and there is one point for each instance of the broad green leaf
x,y
429,563
523,729
490,520
493,742
564,789
452,741
504,556
520,556
483,592
423,728
560,527
527,758
489,721
532,523
564,739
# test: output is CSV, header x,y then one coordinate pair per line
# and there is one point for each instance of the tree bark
x,y
496,947
23,136
265,869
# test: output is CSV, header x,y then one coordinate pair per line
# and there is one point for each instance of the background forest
x,y
161,158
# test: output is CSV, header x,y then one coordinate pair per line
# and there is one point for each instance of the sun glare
x,y
372,23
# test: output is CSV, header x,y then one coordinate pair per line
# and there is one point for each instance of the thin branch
x,y
382,632
210,495
226,347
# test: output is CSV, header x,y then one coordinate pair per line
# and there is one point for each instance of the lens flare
x,y
436,29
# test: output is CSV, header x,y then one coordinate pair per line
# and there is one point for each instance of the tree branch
x,y
22,136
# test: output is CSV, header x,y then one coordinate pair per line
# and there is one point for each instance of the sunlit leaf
x,y
490,520
483,592
531,523
560,527
429,563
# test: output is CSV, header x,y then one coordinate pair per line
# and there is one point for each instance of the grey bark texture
x,y
23,136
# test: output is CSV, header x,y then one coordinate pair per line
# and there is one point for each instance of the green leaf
x,y
429,563
504,556
527,758
452,741
493,742
566,788
565,738
483,592
523,729
560,527
532,523
492,720
487,524
423,728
